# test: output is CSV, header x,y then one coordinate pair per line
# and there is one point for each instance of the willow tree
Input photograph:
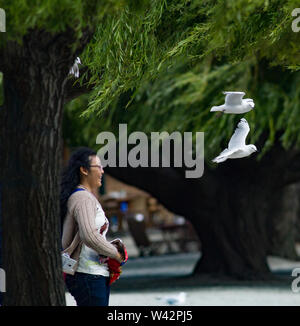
x,y
167,68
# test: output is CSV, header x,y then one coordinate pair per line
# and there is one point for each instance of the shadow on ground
x,y
176,272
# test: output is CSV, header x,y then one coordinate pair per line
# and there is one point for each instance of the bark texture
x,y
284,232
35,74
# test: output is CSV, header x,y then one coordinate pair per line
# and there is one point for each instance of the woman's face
x,y
94,176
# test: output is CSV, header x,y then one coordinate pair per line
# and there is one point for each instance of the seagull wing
x,y
233,98
225,152
238,139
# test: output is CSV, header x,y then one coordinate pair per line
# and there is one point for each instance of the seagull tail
x,y
215,109
219,159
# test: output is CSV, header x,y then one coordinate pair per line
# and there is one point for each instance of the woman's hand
x,y
120,258
123,256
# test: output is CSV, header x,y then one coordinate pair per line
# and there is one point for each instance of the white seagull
x,y
234,103
237,147
173,300
75,69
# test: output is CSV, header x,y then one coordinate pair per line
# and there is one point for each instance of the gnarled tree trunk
x,y
35,74
285,229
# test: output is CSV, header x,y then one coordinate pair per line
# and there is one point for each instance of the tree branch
x,y
73,89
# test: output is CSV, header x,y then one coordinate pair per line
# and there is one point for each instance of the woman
x,y
84,229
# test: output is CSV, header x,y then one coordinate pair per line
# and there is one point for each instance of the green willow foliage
x,y
56,15
181,98
161,64
131,48
124,52
164,68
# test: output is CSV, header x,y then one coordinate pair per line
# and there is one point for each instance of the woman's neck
x,y
86,186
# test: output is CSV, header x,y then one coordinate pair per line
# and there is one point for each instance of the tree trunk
x,y
231,208
234,234
31,150
284,232
297,213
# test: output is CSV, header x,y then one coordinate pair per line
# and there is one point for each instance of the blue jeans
x,y
88,289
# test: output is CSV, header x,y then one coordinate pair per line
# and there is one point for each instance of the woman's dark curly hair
x,y
71,176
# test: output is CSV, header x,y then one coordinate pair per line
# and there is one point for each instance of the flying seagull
x,y
237,147
234,103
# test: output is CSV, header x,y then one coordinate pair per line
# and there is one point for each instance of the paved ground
x,y
148,281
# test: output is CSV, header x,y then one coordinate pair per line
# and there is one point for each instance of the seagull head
x,y
252,148
250,103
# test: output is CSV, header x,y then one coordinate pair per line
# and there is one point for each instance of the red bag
x,y
115,270
114,266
